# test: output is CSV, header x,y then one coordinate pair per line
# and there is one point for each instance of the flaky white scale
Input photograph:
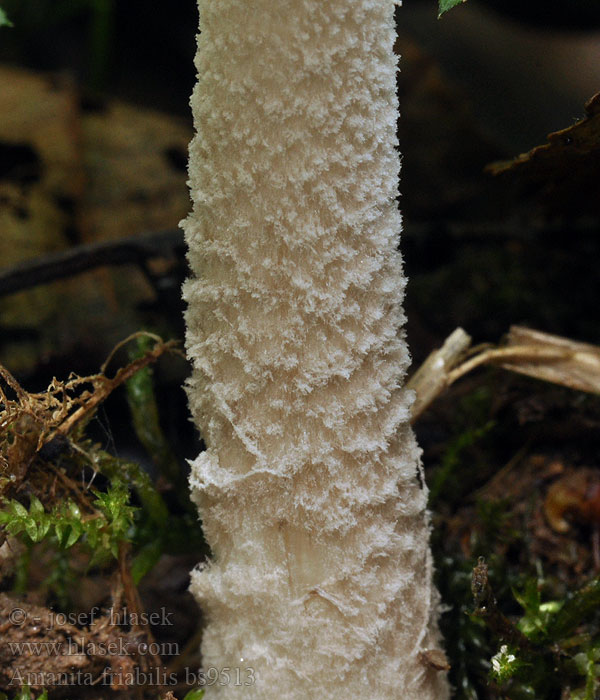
x,y
308,490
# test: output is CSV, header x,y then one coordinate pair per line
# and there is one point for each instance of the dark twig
x,y
134,604
133,250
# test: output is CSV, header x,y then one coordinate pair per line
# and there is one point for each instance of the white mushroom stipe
x,y
309,490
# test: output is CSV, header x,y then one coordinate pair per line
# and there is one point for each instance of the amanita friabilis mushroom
x,y
320,580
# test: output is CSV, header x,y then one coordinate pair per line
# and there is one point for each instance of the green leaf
x,y
60,527
31,529
35,506
73,510
75,534
23,694
151,499
577,607
119,515
43,528
15,527
445,5
4,21
535,621
196,694
19,509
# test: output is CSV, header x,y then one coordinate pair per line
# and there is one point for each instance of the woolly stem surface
x,y
309,490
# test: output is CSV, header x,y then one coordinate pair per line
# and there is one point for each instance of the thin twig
x,y
133,600
105,386
66,263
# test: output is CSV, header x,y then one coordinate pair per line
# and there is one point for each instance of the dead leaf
x,y
576,494
576,366
436,659
563,175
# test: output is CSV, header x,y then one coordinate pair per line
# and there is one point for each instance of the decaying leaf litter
x,y
65,497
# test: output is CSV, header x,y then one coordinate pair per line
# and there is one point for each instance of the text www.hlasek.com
x,y
75,647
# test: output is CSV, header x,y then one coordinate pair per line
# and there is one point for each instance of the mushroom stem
x,y
310,490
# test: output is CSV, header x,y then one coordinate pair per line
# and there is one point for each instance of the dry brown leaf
x,y
541,355
563,174
577,365
40,177
578,494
